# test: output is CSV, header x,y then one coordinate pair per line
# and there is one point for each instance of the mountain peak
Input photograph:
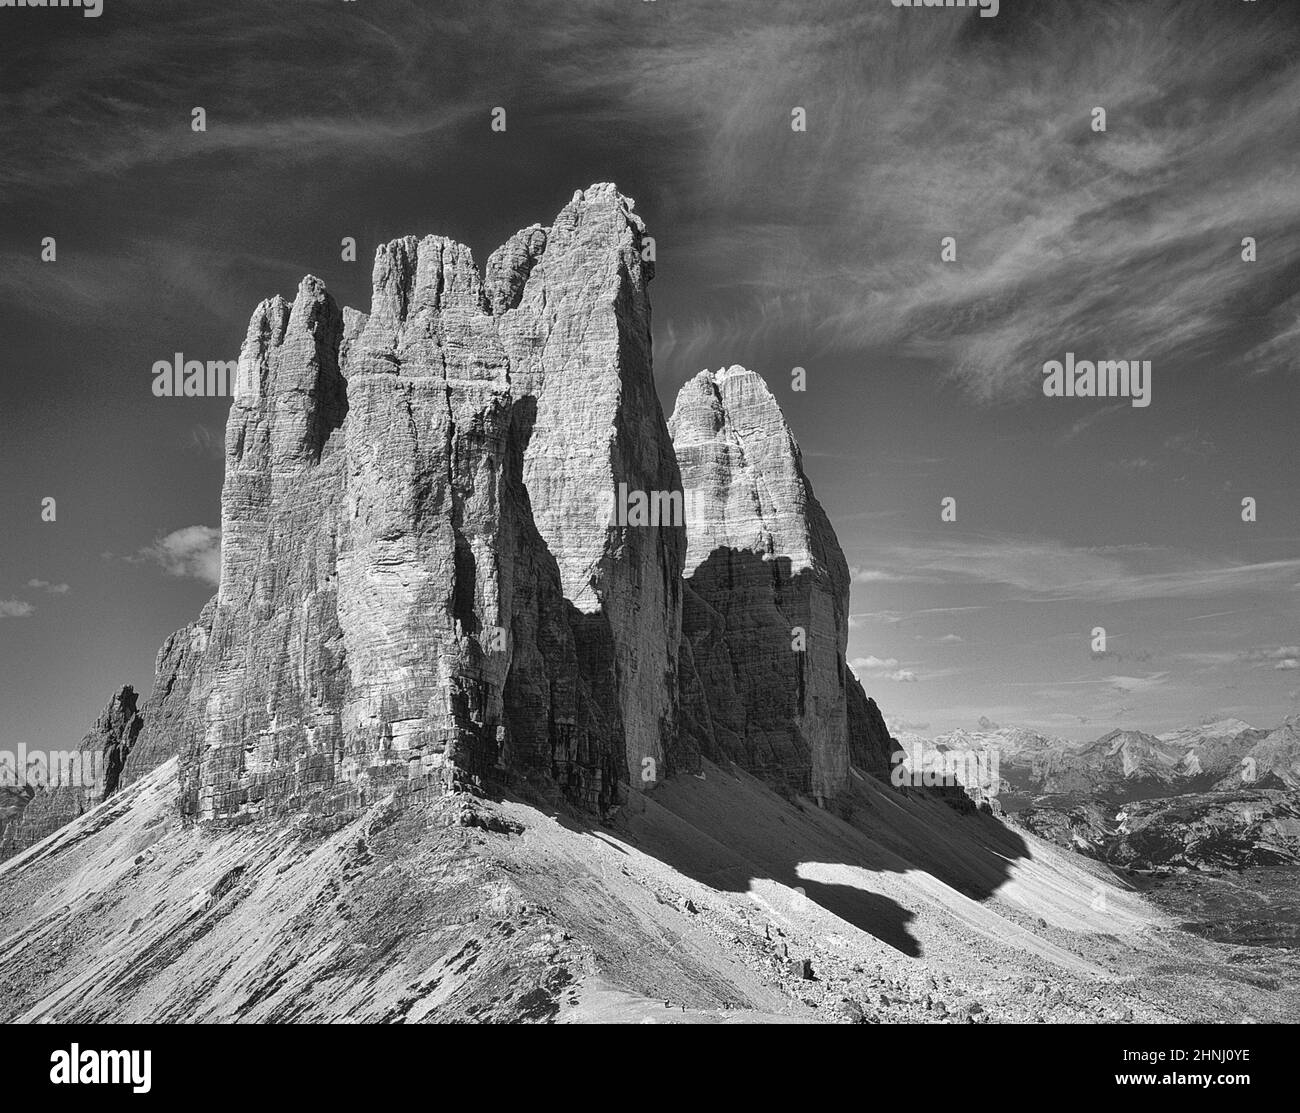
x,y
765,621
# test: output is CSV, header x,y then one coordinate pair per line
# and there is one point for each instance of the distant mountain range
x,y
1131,764
1223,794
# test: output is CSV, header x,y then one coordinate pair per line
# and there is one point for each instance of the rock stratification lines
x,y
416,579
765,623
421,580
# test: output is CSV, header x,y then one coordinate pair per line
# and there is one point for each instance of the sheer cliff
x,y
429,575
765,624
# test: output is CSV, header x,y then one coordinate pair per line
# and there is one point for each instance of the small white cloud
x,y
45,585
874,662
15,608
193,553
872,576
1288,664
882,668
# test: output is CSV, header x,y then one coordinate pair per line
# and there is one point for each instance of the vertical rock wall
x,y
765,623
418,573
421,579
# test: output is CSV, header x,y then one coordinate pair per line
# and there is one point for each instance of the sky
x,y
776,248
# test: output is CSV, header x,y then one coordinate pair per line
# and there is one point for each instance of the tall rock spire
x,y
263,714
418,573
577,331
765,624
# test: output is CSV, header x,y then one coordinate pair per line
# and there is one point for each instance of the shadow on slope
x,y
903,866
453,908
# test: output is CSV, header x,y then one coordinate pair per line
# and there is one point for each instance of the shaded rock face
x,y
418,575
59,787
113,737
576,331
164,712
871,747
765,621
13,802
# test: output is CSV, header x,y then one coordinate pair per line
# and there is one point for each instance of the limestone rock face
x,y
265,708
765,621
453,544
871,747
419,577
454,625
164,712
576,330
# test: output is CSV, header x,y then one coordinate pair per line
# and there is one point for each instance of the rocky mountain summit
x,y
765,622
416,580
517,701
1132,764
455,549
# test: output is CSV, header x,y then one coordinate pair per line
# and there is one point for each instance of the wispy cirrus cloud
x,y
1285,658
1265,654
876,576
1047,569
202,439
229,67
1130,684
92,282
892,618
1123,243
